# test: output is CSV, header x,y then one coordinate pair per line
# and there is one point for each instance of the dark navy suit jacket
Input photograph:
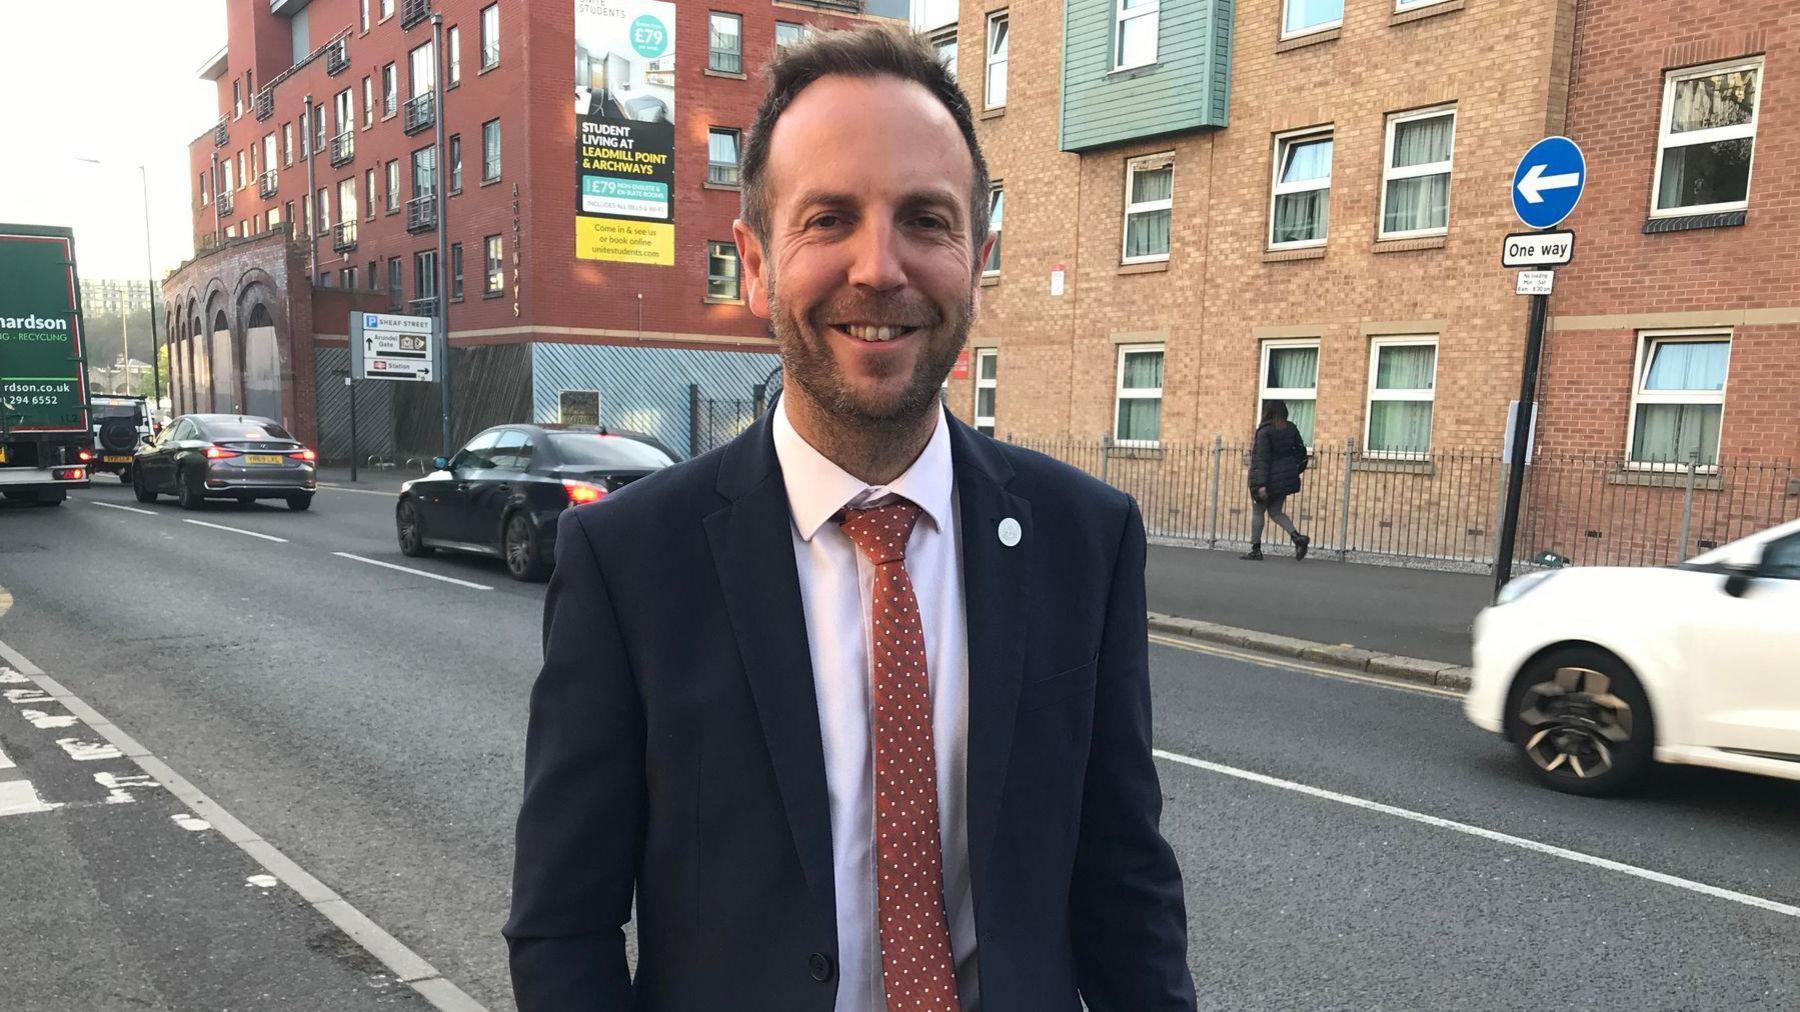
x,y
674,752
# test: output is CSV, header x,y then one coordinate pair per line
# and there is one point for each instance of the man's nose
x,y
876,257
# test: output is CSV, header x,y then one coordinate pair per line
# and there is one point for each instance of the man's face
x,y
868,278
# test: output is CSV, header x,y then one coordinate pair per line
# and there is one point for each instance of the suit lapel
x,y
754,554
996,598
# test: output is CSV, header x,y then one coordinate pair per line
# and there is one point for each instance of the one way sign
x,y
1548,182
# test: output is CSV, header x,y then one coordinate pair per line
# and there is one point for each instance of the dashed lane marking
x,y
236,530
360,491
415,572
116,506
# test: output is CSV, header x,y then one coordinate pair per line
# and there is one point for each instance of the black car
x,y
242,457
502,493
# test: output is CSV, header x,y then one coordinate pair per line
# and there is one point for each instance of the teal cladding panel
x,y
1188,88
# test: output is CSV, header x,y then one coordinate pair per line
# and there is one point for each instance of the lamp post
x,y
149,297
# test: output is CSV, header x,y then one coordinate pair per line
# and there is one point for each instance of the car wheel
x,y
524,560
139,489
186,494
51,496
300,502
1581,722
411,530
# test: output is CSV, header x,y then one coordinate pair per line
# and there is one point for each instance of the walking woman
x,y
1276,460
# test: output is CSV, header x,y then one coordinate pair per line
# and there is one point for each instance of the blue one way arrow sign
x,y
1548,182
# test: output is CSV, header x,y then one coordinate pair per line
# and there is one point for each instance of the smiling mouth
x,y
870,334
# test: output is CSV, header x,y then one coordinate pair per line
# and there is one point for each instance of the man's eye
x,y
931,222
826,221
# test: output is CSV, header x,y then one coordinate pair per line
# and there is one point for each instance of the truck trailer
x,y
46,439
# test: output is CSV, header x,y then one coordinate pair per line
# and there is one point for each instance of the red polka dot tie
x,y
918,972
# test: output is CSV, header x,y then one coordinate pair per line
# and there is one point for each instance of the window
x,y
237,99
722,156
725,43
454,41
421,70
1678,399
230,178
369,198
788,35
1707,136
944,44
268,153
1135,34
324,212
375,275
1303,17
287,212
1301,190
349,277
306,206
987,372
287,144
456,272
456,163
490,36
1415,192
393,186
387,9
363,19
390,90
305,134
324,279
1290,373
396,293
1139,395
425,274
494,280
424,172
243,174
368,103
1402,381
347,200
996,60
274,218
1149,196
346,111
722,272
205,190
318,124
490,151
996,211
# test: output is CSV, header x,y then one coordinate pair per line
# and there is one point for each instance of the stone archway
x,y
200,369
222,359
262,365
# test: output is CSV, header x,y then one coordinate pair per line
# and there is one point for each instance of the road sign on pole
x,y
1535,283
1538,249
384,346
1548,181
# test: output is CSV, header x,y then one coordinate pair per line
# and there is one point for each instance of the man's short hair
x,y
874,51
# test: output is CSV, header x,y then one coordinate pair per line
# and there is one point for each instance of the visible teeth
x,y
874,333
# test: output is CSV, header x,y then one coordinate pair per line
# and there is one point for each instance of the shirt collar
x,y
818,488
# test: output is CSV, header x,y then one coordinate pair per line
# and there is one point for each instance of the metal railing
x,y
337,57
265,103
724,61
223,201
343,236
343,148
421,213
423,307
722,173
267,184
414,11
221,133
419,112
1444,510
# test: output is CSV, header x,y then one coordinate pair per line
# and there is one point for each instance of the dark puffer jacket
x,y
1277,458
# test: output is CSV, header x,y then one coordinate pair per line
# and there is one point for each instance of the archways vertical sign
x,y
625,131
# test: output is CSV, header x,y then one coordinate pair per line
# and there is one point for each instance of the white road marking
x,y
18,797
9,676
415,572
116,506
46,721
360,491
88,751
1773,906
1286,664
191,823
235,530
262,881
119,786
19,696
5,763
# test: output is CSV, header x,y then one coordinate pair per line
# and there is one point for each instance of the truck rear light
x,y
216,452
85,455
70,473
580,492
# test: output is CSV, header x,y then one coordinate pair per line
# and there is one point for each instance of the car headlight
x,y
1518,588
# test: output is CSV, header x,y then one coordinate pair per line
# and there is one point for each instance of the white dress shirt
x,y
837,590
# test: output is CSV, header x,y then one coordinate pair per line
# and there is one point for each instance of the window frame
x,y
943,38
999,17
713,248
490,43
1278,189
1122,393
490,155
1121,14
985,423
737,146
1300,33
456,272
1713,135
453,148
1428,394
1265,392
368,103
1152,163
391,203
1389,173
996,196
390,90
453,44
369,185
710,50
779,25
493,266
1647,339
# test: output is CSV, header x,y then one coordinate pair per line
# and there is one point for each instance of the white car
x,y
1594,674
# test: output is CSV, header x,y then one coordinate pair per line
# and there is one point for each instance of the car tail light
x,y
581,492
216,452
70,473
304,454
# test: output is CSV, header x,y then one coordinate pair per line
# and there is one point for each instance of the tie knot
x,y
880,532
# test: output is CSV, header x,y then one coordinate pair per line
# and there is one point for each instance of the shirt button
x,y
820,965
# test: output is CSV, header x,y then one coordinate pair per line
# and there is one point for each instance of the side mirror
x,y
1738,583
441,463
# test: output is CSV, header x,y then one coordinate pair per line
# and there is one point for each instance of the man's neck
x,y
874,454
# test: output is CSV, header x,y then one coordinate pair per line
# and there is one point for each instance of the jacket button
x,y
820,965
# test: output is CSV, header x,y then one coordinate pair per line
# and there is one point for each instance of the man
x,y
858,705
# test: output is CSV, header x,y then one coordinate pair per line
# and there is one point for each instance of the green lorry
x,y
46,441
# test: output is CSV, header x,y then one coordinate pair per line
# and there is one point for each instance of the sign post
x,y
1546,186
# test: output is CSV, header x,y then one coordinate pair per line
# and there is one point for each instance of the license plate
x,y
113,458
263,458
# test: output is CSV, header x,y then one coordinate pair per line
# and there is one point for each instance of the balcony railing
x,y
725,61
413,11
722,173
222,134
266,184
419,113
422,307
222,200
343,147
421,213
337,57
265,104
343,236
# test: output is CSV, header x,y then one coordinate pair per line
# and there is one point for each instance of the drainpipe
x,y
312,206
442,309
218,221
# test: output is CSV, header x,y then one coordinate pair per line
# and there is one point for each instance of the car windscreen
x,y
593,449
226,430
133,412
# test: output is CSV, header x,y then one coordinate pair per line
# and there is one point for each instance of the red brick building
x,y
329,133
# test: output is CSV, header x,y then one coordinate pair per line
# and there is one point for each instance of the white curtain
x,y
1688,365
1304,14
1300,217
1667,433
1420,202
1147,232
1140,418
1402,426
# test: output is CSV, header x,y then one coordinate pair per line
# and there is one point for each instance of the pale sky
x,y
115,80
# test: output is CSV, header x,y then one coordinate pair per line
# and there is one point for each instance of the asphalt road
x,y
369,723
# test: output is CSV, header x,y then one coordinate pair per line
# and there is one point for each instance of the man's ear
x,y
750,256
987,247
